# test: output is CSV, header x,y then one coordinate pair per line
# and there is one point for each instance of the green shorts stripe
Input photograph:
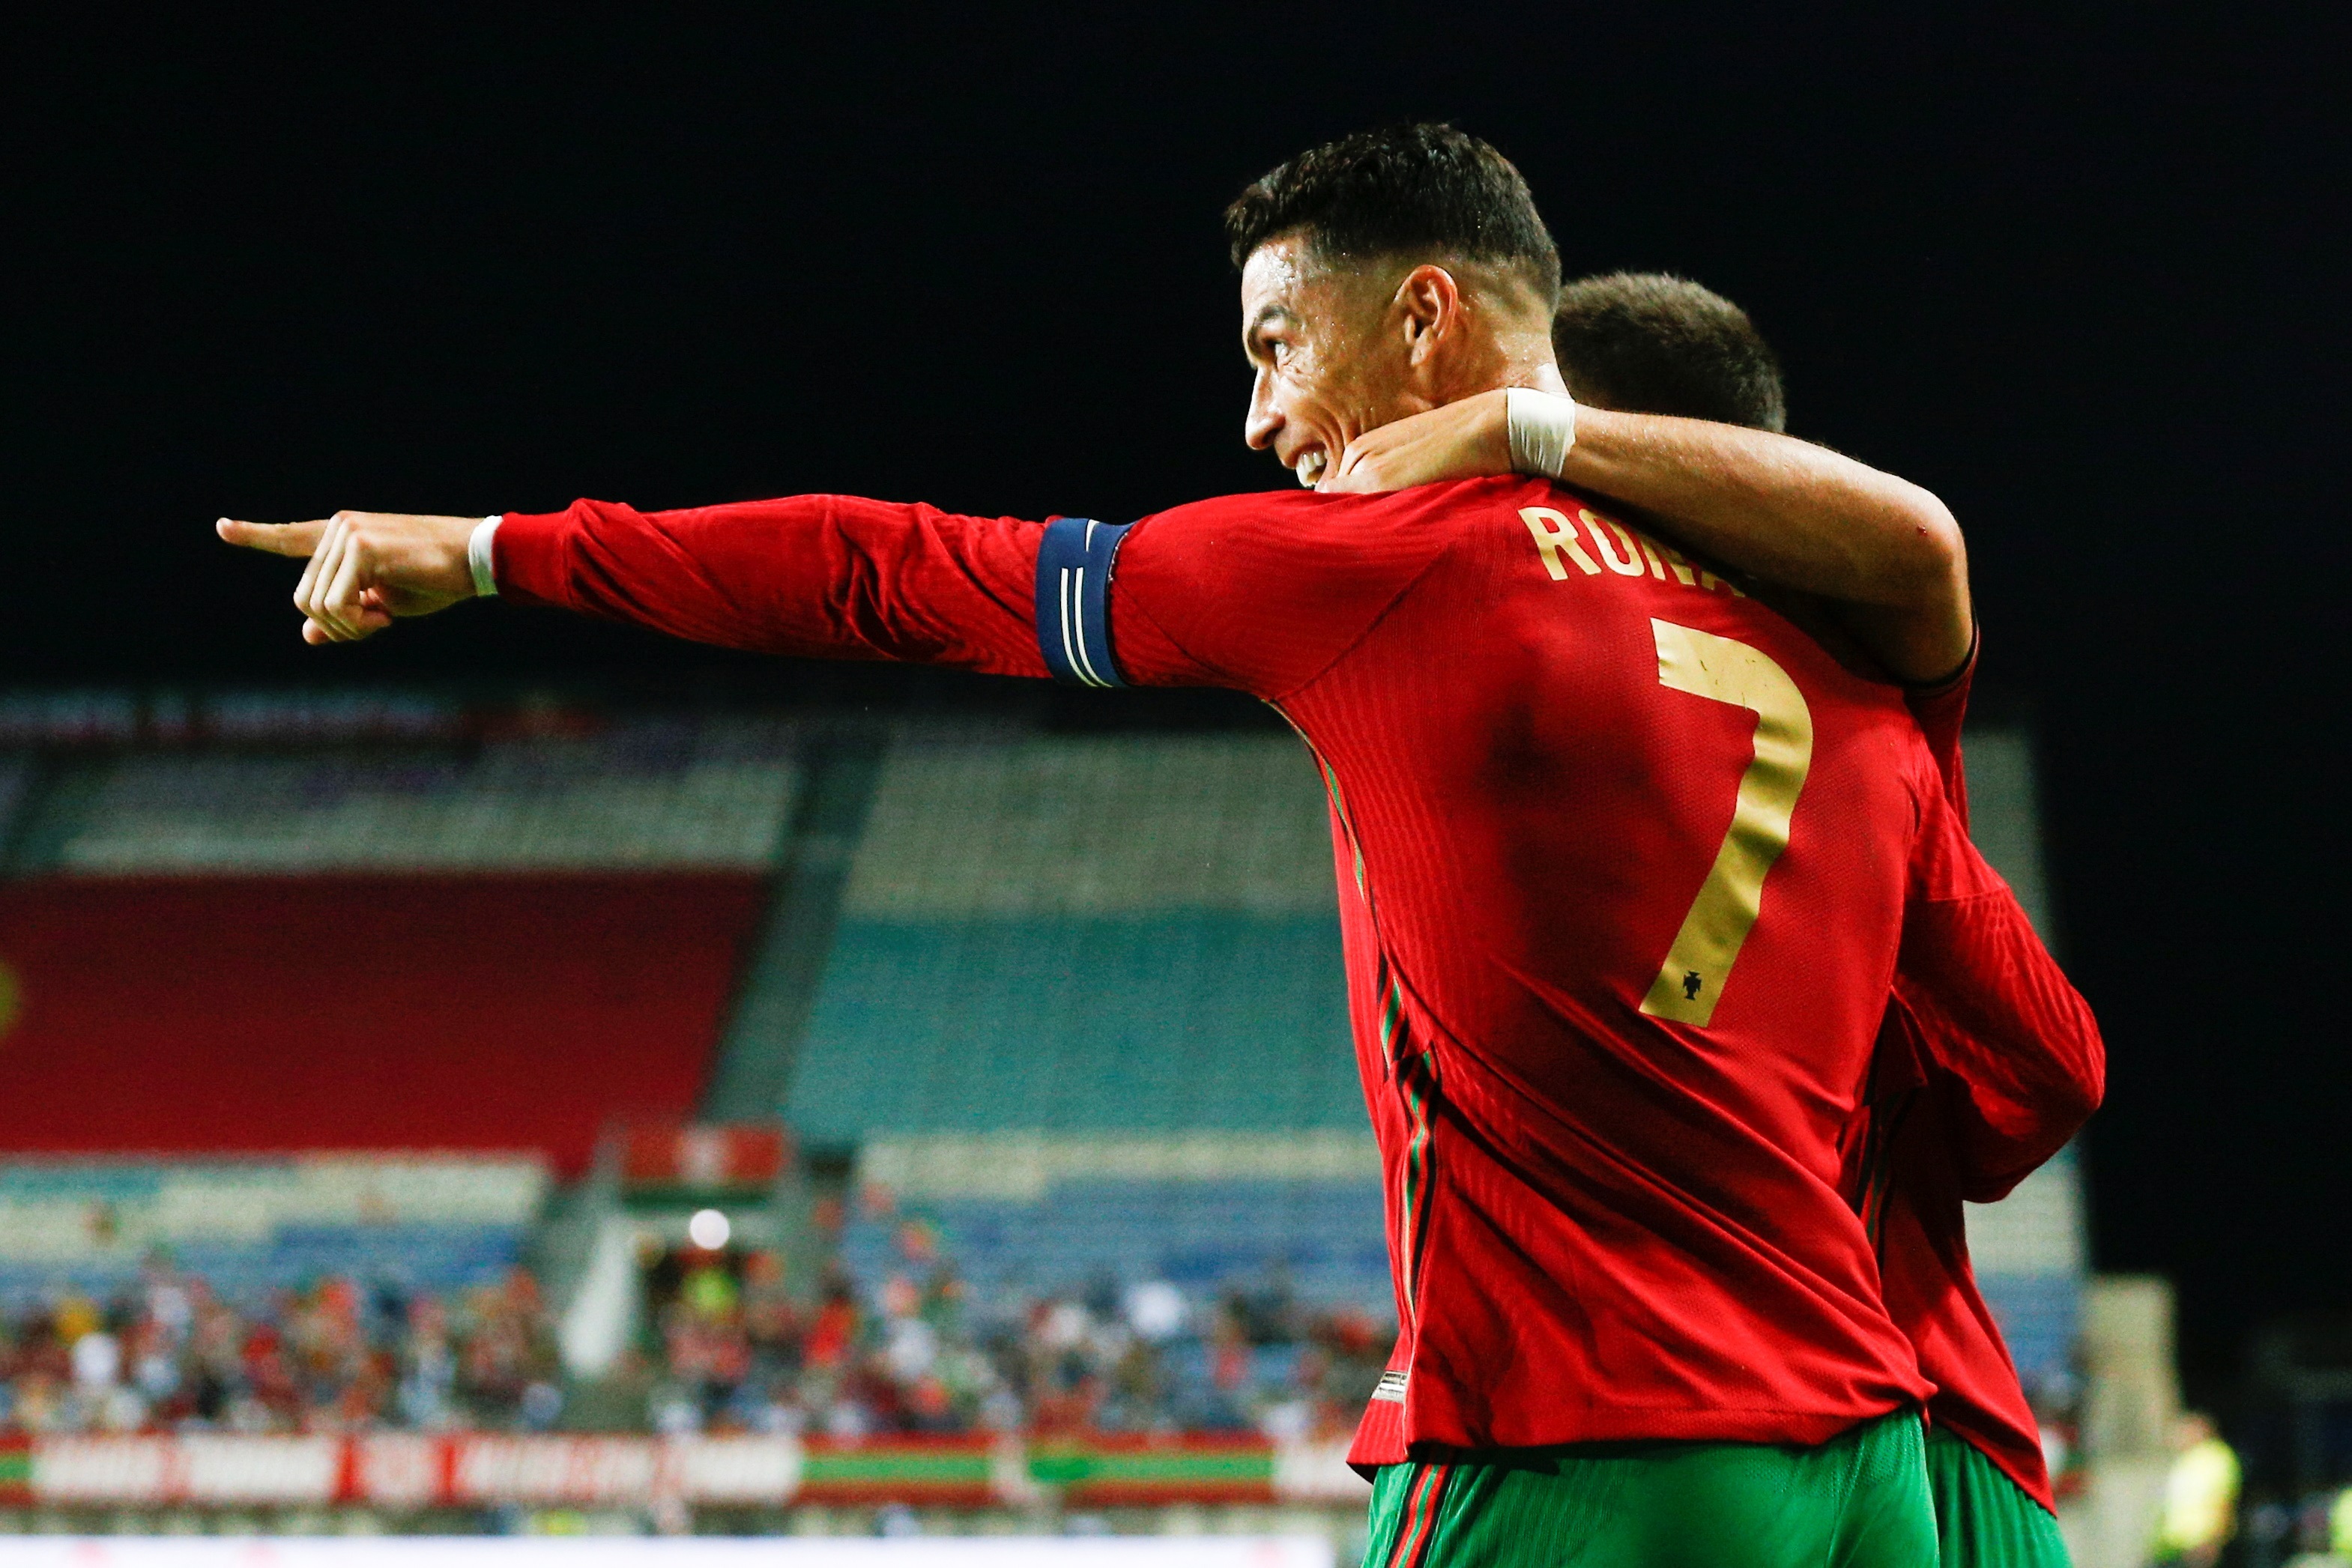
x,y
1424,1497
1860,1500
1984,1519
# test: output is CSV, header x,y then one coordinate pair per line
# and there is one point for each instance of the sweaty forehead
x,y
1283,280
1272,277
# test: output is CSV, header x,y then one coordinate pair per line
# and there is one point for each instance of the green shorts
x,y
1859,1500
1984,1519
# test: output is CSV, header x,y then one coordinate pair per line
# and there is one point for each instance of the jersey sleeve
x,y
1994,1011
1939,710
814,576
1262,593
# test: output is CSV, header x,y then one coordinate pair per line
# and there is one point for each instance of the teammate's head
x,y
1388,272
1646,343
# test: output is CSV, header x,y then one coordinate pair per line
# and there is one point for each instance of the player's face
x,y
1325,368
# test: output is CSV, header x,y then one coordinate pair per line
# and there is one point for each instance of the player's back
x,y
1632,855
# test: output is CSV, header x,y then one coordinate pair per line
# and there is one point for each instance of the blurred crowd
x,y
727,1347
168,1354
920,1350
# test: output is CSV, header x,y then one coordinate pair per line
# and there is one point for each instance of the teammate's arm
x,y
1887,552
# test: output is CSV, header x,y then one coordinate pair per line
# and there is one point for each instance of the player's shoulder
x,y
1266,590
1315,530
1295,509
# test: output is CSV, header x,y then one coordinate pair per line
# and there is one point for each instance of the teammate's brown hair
x,y
1648,343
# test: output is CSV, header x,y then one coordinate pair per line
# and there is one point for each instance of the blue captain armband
x,y
1074,566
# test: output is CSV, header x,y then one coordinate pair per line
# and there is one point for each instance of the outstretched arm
x,y
1886,552
1256,592
821,576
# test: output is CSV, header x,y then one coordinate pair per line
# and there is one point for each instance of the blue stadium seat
x,y
1160,1022
1324,1240
1013,953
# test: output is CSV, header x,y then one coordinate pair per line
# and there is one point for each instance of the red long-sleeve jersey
x,y
1963,1102
1629,861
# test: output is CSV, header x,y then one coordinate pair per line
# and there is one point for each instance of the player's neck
x,y
1512,360
1540,374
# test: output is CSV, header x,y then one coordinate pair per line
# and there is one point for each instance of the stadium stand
x,y
1060,1019
674,796
246,1015
250,1226
269,1296
1206,1281
220,950
1056,1215
1084,934
2005,819
1084,1016
15,776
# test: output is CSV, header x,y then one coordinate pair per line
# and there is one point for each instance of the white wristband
x,y
477,557
1542,426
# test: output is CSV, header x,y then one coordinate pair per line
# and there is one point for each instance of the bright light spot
x,y
1155,1308
709,1229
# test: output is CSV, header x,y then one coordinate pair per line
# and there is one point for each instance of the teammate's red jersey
x,y
1931,1137
1629,861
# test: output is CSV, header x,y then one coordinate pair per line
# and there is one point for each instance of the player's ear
x,y
1428,305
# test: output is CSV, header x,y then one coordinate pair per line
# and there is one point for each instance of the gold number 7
x,y
1699,963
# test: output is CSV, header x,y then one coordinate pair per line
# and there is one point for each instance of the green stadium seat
x,y
1068,935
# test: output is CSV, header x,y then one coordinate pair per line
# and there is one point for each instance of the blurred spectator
x,y
730,1348
169,1355
2200,1496
926,1354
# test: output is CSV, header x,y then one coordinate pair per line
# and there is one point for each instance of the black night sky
x,y
2084,277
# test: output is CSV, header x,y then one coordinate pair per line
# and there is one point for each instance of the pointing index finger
x,y
298,540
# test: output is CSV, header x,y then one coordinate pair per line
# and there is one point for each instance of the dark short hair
x,y
1647,342
1407,190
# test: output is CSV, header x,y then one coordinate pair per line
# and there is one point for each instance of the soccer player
x,y
1646,343
1628,862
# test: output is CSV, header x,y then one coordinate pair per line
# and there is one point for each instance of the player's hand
x,y
1464,440
365,567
